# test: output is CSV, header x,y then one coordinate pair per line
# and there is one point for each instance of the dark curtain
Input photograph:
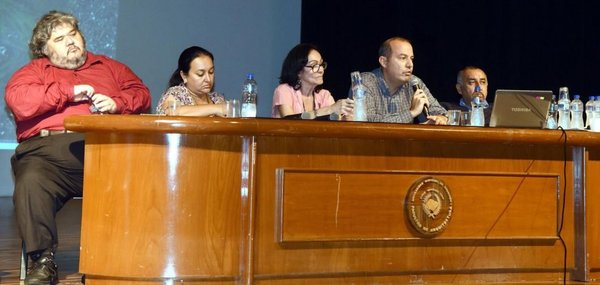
x,y
520,44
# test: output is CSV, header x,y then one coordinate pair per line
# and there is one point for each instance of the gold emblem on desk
x,y
429,206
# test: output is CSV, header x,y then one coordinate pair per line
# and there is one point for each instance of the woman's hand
x,y
222,110
344,107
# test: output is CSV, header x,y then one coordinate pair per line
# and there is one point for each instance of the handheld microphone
x,y
417,84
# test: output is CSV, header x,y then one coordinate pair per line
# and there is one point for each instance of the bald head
x,y
396,60
386,47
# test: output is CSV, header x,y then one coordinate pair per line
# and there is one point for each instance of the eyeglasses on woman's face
x,y
317,66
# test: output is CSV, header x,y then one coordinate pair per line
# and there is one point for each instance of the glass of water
x,y
172,108
233,108
465,118
453,117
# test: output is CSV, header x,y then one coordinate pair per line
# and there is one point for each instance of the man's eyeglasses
x,y
317,67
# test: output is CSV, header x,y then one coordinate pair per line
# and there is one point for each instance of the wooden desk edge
x,y
324,129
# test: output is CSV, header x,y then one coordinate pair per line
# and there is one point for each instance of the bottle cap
x,y
250,76
576,97
477,88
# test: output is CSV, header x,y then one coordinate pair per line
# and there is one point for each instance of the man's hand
x,y
103,103
437,120
82,92
419,100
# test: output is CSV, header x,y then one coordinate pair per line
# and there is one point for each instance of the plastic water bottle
x,y
563,108
576,113
359,97
477,93
550,122
595,115
477,117
249,93
596,107
589,109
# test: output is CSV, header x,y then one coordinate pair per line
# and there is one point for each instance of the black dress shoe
x,y
44,271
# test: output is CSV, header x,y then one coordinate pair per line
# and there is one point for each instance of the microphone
x,y
415,83
418,84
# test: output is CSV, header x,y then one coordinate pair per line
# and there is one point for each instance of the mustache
x,y
73,46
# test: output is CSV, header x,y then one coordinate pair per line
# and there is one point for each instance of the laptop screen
x,y
520,108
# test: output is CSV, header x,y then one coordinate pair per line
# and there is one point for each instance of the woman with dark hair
x,y
300,90
191,87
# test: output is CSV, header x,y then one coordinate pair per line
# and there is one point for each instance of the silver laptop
x,y
520,108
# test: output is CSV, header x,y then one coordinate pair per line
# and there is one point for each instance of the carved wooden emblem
x,y
429,206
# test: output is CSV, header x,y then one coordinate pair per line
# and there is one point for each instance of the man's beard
x,y
65,61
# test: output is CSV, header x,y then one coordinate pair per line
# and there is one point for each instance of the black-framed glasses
x,y
317,67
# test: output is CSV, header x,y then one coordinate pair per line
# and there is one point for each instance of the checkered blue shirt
x,y
394,108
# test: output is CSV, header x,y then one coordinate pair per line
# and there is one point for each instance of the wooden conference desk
x,y
266,201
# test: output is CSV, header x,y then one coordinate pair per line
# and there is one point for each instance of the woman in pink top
x,y
300,91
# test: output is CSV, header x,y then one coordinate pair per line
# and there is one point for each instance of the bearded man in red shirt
x,y
62,79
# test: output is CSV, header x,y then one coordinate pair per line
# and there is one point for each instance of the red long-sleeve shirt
x,y
40,94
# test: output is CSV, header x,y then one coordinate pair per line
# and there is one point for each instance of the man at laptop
x,y
467,80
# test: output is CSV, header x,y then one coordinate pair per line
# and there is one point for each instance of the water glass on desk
x,y
233,108
453,117
465,118
172,107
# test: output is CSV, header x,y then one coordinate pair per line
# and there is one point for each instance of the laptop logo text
x,y
522,109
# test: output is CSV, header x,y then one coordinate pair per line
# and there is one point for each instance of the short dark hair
x,y
386,48
294,62
185,61
461,72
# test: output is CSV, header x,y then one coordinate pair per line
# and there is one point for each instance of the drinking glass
x,y
233,108
465,118
172,108
453,117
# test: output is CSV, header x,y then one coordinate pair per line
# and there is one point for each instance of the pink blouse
x,y
285,94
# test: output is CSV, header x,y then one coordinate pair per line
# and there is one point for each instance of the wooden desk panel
x,y
329,205
593,210
340,257
230,233
160,208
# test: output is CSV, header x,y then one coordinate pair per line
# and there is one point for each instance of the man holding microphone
x,y
394,94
